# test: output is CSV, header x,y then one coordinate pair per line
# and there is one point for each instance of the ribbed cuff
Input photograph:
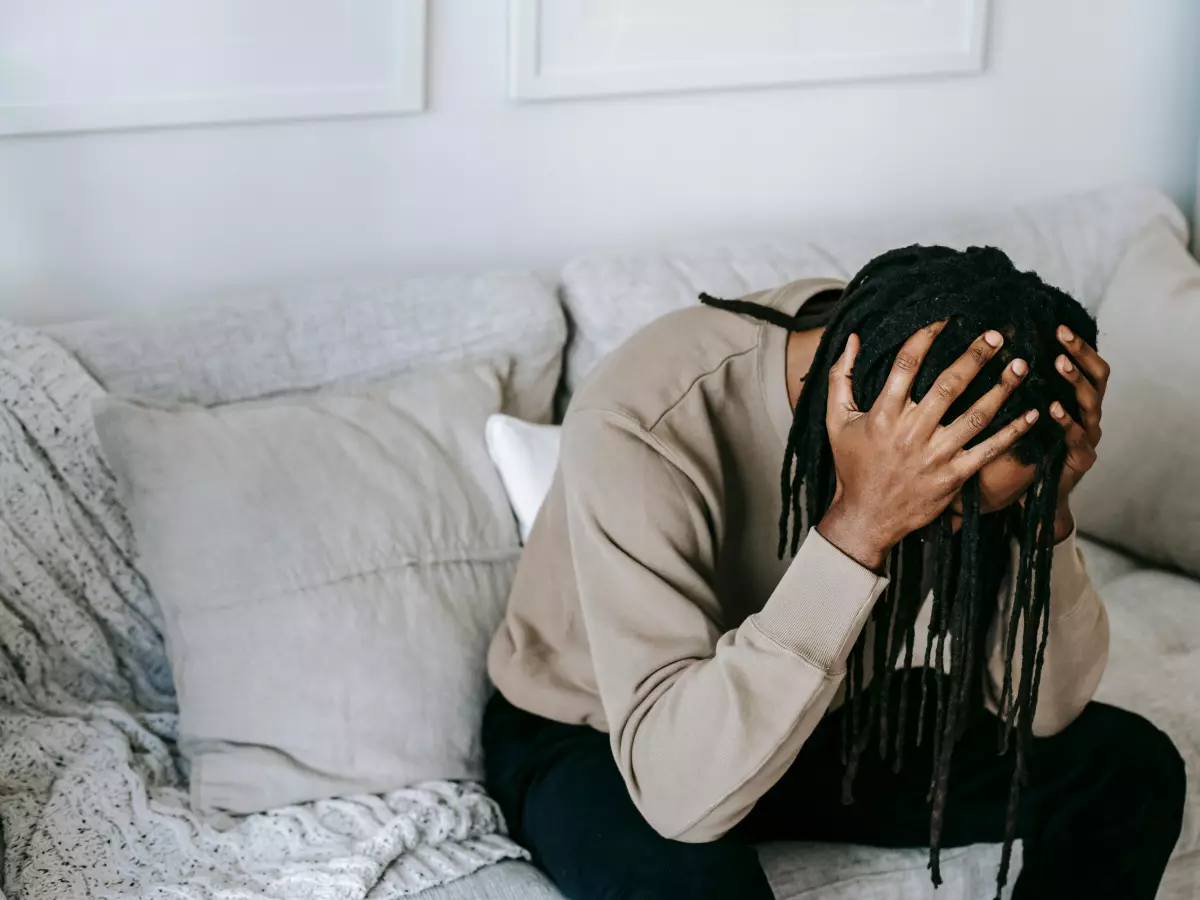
x,y
1069,579
820,604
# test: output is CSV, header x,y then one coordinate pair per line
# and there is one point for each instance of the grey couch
x,y
1075,242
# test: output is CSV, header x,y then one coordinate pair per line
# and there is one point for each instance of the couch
x,y
287,340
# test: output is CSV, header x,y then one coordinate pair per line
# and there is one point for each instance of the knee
x,y
1141,766
1169,780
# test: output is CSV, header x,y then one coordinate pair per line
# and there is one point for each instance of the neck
x,y
801,348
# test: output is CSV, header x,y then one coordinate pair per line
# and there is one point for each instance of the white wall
x,y
1078,93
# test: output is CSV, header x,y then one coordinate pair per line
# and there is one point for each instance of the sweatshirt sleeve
x,y
1076,649
703,719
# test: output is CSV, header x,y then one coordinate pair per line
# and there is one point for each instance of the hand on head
x,y
1087,371
897,466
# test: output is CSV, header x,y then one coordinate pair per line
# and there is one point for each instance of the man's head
x,y
973,290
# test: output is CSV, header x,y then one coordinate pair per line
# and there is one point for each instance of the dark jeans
x,y
1098,818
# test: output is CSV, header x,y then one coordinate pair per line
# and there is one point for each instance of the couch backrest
x,y
1074,242
297,339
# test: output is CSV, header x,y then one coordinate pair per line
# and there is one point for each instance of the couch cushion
x,y
1144,492
796,872
242,347
1073,242
849,872
1104,563
503,881
1154,667
330,569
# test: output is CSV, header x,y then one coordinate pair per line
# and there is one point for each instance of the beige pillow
x,y
1144,492
330,569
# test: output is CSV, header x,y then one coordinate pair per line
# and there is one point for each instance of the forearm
x,y
1064,521
701,749
702,741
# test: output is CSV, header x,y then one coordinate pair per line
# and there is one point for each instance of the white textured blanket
x,y
92,797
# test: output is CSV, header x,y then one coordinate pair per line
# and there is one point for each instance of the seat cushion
x,y
796,872
1154,668
503,881
848,872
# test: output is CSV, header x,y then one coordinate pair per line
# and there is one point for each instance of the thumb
x,y
841,385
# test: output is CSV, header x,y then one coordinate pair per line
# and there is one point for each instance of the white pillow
x,y
526,456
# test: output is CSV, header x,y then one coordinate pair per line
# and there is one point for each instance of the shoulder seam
x,y
692,384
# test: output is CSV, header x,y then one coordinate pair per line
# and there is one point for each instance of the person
x,y
808,571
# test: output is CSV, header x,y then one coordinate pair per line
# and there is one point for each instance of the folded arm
x,y
703,718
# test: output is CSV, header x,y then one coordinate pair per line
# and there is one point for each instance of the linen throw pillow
x,y
526,456
1144,492
330,571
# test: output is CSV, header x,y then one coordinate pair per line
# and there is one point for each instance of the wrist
x,y
855,536
1064,521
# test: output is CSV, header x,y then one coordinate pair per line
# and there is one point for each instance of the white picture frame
x,y
529,79
398,89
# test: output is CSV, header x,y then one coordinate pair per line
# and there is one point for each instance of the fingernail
x,y
1065,364
1019,367
1056,410
1065,332
993,338
1031,416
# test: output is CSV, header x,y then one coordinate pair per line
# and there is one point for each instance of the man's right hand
x,y
897,466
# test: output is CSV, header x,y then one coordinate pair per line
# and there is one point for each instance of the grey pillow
x,y
1144,492
330,570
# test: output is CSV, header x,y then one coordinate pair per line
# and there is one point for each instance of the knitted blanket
x,y
93,798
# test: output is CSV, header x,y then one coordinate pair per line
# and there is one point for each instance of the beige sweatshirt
x,y
649,602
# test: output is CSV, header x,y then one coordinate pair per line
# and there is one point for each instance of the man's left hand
x,y
1088,372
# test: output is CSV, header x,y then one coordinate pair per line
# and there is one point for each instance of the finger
x,y
968,462
1092,363
962,430
908,362
1086,394
840,403
951,383
1081,452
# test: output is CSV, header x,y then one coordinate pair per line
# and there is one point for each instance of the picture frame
x,y
957,49
44,90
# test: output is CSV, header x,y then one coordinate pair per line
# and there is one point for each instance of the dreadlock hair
x,y
890,299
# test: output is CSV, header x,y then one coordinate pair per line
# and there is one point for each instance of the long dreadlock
x,y
890,299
